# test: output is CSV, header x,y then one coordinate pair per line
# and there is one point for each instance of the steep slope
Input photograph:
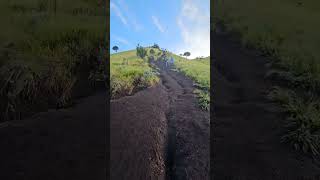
x,y
246,126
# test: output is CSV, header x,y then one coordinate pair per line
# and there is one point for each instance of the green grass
x,y
199,71
303,120
42,51
129,73
280,28
288,32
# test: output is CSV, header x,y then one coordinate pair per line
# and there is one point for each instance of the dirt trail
x,y
246,128
138,133
188,155
66,144
160,133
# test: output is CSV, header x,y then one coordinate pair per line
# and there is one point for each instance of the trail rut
x,y
160,132
188,129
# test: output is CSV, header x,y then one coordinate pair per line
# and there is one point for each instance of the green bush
x,y
141,52
303,120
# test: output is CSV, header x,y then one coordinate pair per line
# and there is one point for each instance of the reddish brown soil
x,y
160,133
246,128
66,144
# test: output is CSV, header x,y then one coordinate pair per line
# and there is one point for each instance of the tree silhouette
x,y
115,48
187,54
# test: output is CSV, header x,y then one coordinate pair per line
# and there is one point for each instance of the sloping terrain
x,y
58,144
160,132
246,128
138,132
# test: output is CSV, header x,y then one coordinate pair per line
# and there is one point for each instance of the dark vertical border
x,y
107,81
212,90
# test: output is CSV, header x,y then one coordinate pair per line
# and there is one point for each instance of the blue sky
x,y
176,25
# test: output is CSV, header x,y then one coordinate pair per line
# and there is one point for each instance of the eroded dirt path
x,y
246,128
188,129
138,132
160,133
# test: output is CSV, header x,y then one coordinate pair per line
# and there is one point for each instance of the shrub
x,y
141,52
303,120
204,99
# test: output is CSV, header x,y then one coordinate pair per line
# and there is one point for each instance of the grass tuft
x,y
303,120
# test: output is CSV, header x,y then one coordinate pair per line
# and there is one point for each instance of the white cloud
x,y
157,23
117,11
121,40
194,24
130,16
121,10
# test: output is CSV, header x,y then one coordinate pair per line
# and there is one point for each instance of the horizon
x,y
149,46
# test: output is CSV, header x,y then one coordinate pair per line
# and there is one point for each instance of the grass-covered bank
x,y
48,52
199,71
287,31
129,73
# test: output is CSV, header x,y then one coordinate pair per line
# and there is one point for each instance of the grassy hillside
x,y
288,31
199,71
285,29
129,73
47,49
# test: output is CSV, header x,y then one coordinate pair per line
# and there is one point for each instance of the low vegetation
x,y
132,70
46,48
129,73
199,71
285,30
154,53
303,120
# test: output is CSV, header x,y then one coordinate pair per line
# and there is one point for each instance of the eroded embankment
x,y
138,131
160,132
188,130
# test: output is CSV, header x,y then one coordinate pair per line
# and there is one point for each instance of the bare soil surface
x,y
246,127
66,144
137,135
160,132
188,153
